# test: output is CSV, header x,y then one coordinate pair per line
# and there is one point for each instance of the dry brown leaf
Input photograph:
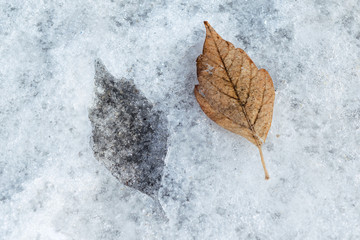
x,y
233,92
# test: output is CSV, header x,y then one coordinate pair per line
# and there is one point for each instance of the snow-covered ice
x,y
51,185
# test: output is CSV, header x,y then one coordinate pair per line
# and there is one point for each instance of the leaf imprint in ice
x,y
128,134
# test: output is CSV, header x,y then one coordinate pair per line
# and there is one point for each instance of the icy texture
x,y
51,186
129,136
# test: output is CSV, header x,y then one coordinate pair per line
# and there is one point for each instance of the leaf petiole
x,y
263,163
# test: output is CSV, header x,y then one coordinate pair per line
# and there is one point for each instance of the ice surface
x,y
52,187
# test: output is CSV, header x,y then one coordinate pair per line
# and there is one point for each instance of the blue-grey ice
x,y
52,187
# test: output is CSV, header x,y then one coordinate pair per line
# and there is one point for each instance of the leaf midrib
x,y
255,135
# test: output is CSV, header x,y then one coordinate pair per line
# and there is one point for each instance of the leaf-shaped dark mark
x,y
128,134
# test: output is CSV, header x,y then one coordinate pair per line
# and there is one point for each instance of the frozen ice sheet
x,y
51,186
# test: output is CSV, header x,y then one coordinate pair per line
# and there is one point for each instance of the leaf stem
x,y
263,163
